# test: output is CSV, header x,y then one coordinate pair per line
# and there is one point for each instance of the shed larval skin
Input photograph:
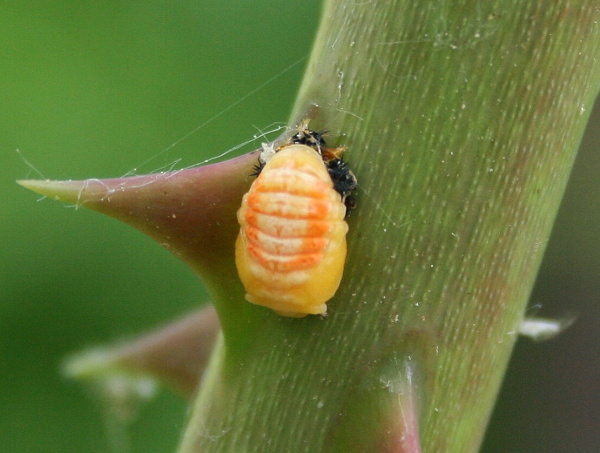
x,y
291,248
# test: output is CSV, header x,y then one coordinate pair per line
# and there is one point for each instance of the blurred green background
x,y
100,89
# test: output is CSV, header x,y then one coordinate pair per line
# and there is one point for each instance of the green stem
x,y
462,121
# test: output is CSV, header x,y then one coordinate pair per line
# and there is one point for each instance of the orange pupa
x,y
291,248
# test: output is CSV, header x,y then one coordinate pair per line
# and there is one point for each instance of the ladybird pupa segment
x,y
291,248
344,181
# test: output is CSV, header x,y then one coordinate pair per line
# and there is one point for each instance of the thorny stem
x,y
462,121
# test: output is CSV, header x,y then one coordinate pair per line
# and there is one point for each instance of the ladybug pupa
x,y
291,249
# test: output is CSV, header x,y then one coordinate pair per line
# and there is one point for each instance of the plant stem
x,y
462,121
